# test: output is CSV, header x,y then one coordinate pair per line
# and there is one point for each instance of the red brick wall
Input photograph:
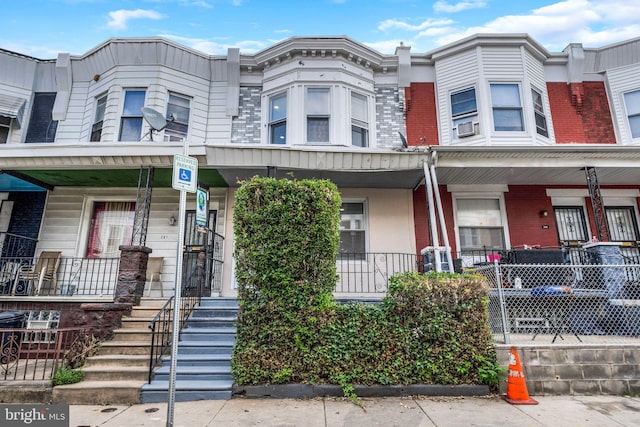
x,y
421,218
422,122
526,225
581,113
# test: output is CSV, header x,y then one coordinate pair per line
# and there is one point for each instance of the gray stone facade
x,y
389,116
245,129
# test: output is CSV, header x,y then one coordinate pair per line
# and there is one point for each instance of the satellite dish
x,y
404,140
156,121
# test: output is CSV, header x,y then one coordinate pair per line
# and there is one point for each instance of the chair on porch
x,y
45,270
154,273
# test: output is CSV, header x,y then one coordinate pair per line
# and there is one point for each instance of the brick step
x,y
98,393
140,360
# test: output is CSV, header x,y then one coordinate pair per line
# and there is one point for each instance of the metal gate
x,y
202,260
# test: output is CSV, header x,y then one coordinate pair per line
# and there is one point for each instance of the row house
x,y
488,143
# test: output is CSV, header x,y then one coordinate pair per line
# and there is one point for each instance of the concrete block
x,y
539,373
556,387
629,372
611,355
631,355
583,355
569,372
593,371
585,387
617,387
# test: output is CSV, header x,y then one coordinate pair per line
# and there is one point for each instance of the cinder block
x,y
586,387
596,372
569,372
618,387
555,387
539,373
631,355
629,372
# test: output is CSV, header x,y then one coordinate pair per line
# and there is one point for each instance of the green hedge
x,y
430,329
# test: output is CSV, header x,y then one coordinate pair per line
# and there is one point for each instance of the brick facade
x,y
422,122
245,129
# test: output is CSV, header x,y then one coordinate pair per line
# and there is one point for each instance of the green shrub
x,y
66,375
430,329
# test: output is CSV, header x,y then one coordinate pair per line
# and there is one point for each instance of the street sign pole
x,y
177,300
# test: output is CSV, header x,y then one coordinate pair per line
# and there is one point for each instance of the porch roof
x,y
542,165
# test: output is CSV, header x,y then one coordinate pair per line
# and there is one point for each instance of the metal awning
x,y
12,107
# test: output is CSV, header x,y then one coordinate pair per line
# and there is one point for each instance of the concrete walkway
x,y
556,411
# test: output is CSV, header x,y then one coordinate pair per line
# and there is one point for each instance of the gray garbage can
x,y
10,340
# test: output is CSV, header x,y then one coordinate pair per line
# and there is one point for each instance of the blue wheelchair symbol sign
x,y
185,175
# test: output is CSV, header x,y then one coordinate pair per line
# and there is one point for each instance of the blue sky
x,y
43,28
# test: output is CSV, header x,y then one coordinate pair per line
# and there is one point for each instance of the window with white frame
x,y
98,121
464,111
42,322
5,127
178,109
359,120
278,119
317,107
131,120
353,231
111,226
538,111
632,102
507,107
480,225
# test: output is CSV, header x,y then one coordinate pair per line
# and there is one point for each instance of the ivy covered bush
x,y
430,329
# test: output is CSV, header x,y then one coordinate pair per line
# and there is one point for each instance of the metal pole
x,y
501,300
436,192
177,304
435,241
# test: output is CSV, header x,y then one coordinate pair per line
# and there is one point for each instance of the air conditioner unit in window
x,y
466,129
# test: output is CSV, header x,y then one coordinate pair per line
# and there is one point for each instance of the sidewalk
x,y
553,411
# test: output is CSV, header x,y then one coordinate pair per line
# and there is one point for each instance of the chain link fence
x,y
563,304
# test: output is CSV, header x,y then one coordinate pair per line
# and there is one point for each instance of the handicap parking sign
x,y
185,173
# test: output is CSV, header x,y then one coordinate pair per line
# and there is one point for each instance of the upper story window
x,y
5,127
178,109
98,121
359,120
507,107
538,110
42,127
464,112
131,120
318,114
632,101
278,119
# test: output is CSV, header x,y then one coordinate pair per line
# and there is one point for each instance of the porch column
x,y
132,274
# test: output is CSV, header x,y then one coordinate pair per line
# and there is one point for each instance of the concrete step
x,y
116,373
187,391
202,346
136,322
199,359
130,360
211,322
215,312
213,335
197,372
143,311
131,334
219,302
124,347
98,393
153,302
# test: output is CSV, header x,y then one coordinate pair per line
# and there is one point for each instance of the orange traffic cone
x,y
517,393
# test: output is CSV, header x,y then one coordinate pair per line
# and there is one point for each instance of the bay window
x,y
278,119
359,120
178,109
96,128
538,111
131,120
318,114
632,102
464,111
507,107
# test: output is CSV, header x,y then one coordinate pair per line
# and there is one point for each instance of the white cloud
x,y
120,18
212,47
394,24
443,6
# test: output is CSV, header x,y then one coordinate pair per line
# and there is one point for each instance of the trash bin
x,y
10,340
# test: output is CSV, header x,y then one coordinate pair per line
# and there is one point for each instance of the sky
x,y
44,28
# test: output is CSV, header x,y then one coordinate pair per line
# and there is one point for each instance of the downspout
x,y
434,182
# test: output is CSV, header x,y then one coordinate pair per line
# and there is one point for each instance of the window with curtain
x,y
507,107
359,120
178,108
96,129
632,102
538,110
278,119
479,224
131,120
111,226
318,115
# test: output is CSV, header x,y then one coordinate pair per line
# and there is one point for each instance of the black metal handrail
x,y
162,324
